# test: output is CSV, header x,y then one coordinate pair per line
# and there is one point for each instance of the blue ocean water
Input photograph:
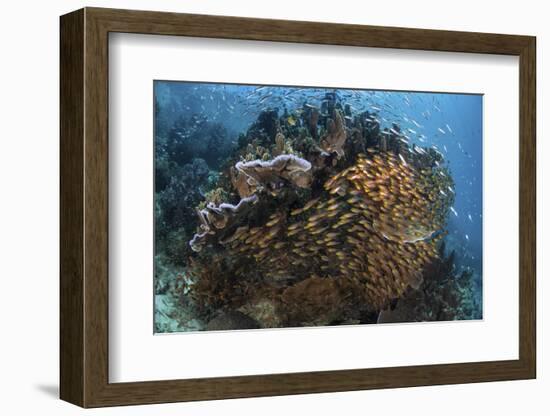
x,y
450,123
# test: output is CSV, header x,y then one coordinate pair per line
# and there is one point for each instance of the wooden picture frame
x,y
84,207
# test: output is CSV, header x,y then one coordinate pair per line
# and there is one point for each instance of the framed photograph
x,y
260,207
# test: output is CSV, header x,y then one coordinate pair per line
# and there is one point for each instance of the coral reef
x,y
175,209
329,219
444,295
370,222
322,301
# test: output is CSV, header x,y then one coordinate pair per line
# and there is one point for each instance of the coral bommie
x,y
325,234
374,223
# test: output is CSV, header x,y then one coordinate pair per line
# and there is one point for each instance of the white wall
x,y
29,207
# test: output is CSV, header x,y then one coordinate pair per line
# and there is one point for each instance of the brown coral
x,y
273,174
240,183
322,301
335,138
312,116
313,301
279,148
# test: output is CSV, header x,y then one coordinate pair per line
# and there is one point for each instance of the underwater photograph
x,y
296,206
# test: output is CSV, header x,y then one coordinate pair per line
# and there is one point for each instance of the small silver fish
x,y
454,212
402,159
419,150
265,97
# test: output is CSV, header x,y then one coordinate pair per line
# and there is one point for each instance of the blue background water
x,y
451,123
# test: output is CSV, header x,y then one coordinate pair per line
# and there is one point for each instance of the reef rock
x,y
313,301
231,320
265,312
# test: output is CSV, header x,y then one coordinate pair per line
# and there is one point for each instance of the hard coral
x,y
444,295
334,139
241,183
279,148
313,301
323,301
216,220
214,287
274,173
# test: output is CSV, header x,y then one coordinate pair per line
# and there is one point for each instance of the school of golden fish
x,y
378,222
